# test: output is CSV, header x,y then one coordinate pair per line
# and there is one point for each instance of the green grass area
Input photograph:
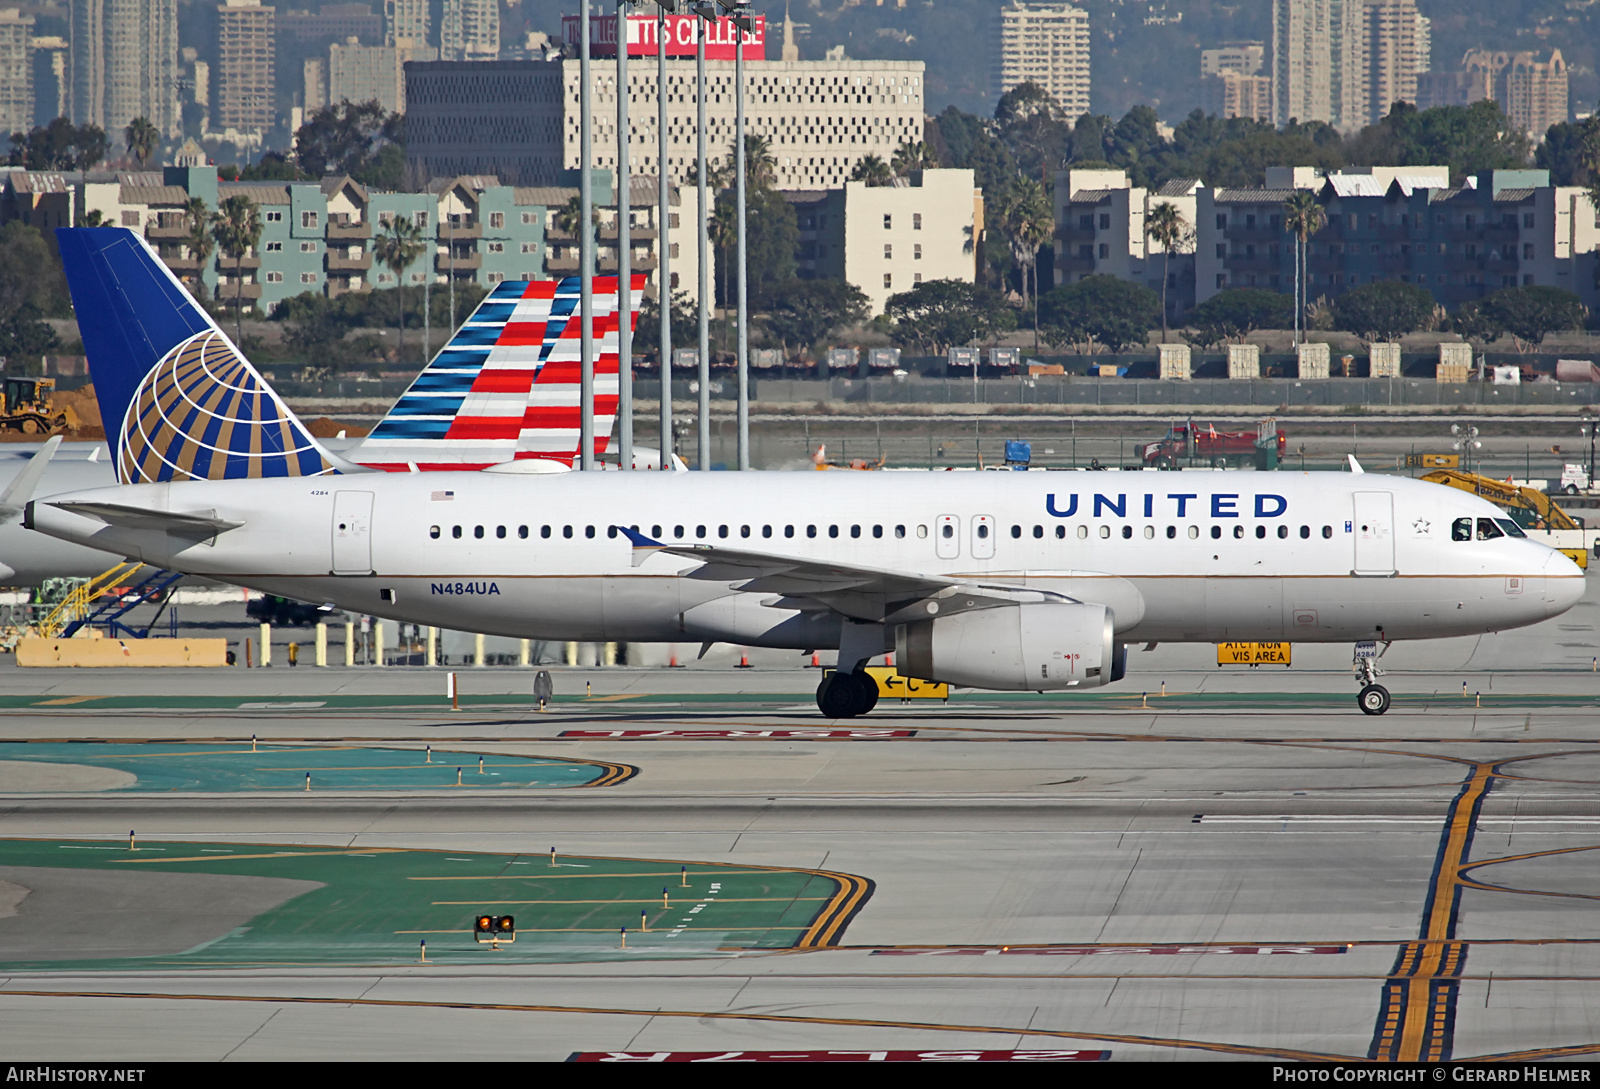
x,y
163,766
376,906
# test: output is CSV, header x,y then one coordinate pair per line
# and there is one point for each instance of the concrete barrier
x,y
122,652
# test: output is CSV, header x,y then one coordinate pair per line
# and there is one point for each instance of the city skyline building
x,y
1231,83
245,77
124,64
409,20
1047,45
16,71
1532,92
469,30
1316,62
1395,49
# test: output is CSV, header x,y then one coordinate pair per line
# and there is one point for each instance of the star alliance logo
x,y
1421,526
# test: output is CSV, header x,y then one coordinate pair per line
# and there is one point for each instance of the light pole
x,y
585,252
663,247
707,13
624,250
742,24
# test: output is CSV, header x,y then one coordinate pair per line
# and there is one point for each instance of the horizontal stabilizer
x,y
195,523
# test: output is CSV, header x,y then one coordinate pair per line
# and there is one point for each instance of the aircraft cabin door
x,y
983,528
352,533
947,537
1373,530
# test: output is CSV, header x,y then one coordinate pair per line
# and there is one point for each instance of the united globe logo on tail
x,y
204,413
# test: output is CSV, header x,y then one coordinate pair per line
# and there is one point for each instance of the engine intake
x,y
1014,648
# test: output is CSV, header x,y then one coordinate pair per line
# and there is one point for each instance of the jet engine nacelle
x,y
1016,648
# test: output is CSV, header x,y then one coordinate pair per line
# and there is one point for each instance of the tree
x,y
1302,217
872,170
802,313
1165,226
30,275
200,242
1473,323
1027,221
912,156
399,245
143,139
237,229
1230,315
647,330
760,166
60,145
1386,310
1114,312
772,234
347,138
1030,123
1469,138
939,314
1531,313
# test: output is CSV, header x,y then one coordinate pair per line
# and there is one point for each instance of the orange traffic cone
x,y
744,658
816,660
888,660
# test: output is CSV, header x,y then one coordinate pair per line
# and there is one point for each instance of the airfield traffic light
x,y
494,929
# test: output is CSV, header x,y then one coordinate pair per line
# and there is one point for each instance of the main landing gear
x,y
1374,698
846,695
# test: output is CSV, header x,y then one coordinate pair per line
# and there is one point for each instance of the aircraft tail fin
x,y
506,385
178,400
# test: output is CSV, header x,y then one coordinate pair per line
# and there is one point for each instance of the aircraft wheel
x,y
1374,699
846,695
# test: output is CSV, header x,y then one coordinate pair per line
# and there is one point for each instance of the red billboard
x,y
721,36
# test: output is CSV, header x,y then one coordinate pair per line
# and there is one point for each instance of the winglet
x,y
1355,466
15,497
643,547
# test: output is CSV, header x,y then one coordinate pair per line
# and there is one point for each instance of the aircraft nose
x,y
1563,582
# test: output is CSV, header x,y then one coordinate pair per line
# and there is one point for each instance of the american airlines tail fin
x,y
177,398
506,387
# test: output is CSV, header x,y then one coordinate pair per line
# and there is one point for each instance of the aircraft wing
x,y
199,523
860,593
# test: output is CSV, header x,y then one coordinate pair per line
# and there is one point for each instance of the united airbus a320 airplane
x,y
1026,581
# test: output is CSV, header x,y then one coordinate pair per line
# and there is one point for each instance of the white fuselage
x,y
1319,557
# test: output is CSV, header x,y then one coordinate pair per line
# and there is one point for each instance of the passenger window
x,y
1283,533
947,530
433,531
766,531
1461,529
1083,531
1305,532
611,532
811,531
1127,532
655,531
983,531
922,531
1194,532
788,531
455,531
855,531
1038,531
1061,533
1216,533
899,531
1511,528
677,531
544,531
744,531
588,531
1327,533
477,531
500,532
1105,531
877,532
1172,532
833,531
566,531
722,531
1238,532
522,532
700,531
1487,530
1261,533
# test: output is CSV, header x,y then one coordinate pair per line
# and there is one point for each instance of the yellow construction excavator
x,y
1533,510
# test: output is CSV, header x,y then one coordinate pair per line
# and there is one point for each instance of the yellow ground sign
x,y
1433,461
1252,654
891,685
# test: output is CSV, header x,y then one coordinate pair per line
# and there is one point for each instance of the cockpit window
x,y
1511,528
1461,529
1488,531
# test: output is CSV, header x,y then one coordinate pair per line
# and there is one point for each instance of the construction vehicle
x,y
1531,509
28,405
1186,444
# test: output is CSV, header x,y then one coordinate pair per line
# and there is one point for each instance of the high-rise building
x,y
125,64
1231,84
52,87
1316,62
1533,93
363,73
1047,45
1395,44
245,53
16,71
469,30
406,20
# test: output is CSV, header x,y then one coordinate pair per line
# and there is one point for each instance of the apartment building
x,y
1395,48
245,79
1231,82
124,64
319,237
887,239
16,71
1100,230
1316,62
1504,228
1532,92
520,119
1047,45
469,30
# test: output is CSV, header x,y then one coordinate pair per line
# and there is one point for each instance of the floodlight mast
x,y
663,247
707,13
742,22
624,250
585,252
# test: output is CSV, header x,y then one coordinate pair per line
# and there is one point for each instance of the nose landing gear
x,y
846,695
1374,698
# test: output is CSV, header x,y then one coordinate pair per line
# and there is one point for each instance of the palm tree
x,y
395,249
913,155
722,229
1165,226
760,167
1303,217
237,229
872,170
143,139
200,242
1027,221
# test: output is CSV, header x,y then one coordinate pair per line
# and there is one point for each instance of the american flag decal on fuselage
x,y
507,385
